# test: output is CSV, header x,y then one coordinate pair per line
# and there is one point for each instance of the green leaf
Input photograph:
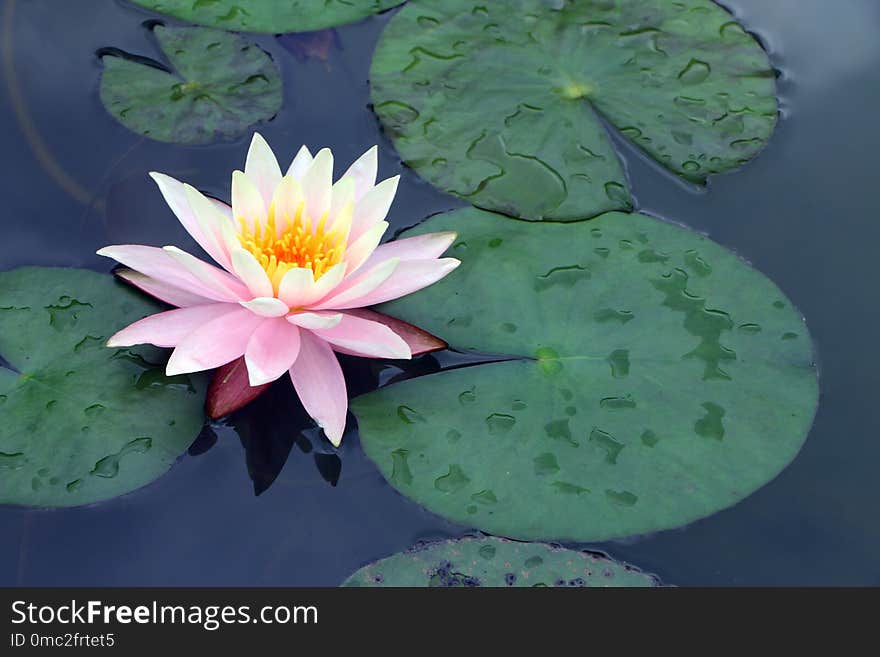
x,y
656,379
501,103
496,562
219,85
82,422
271,16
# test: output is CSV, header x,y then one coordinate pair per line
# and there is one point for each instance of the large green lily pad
x,y
272,16
501,103
82,422
219,85
497,562
657,379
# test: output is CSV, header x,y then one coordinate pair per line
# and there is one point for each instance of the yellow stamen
x,y
291,242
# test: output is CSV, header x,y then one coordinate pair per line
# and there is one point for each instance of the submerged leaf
x,y
220,85
497,562
82,422
660,379
681,80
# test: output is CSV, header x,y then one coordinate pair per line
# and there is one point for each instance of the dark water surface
x,y
805,212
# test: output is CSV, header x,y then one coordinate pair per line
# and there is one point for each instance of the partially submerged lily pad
x,y
271,16
82,422
683,81
656,379
497,562
218,85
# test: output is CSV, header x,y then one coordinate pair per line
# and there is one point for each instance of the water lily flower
x,y
298,254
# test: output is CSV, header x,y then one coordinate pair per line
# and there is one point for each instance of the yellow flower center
x,y
290,242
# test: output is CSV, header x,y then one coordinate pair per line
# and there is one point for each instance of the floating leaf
x,y
219,85
681,80
231,390
82,422
497,562
271,16
656,379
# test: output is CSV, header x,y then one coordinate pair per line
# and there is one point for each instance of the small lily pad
x,y
497,562
503,103
82,422
217,86
271,16
653,380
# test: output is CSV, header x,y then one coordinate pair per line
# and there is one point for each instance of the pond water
x,y
804,213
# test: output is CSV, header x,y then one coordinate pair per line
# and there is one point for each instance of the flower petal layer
x,y
408,276
317,186
168,329
317,320
162,291
373,207
217,280
247,202
161,266
214,343
360,284
271,351
266,306
300,164
319,383
363,172
205,228
262,168
362,337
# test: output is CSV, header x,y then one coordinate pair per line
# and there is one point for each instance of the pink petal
x,y
363,247
418,340
215,343
230,390
271,351
408,277
319,320
251,273
168,329
359,284
362,337
217,280
218,229
317,184
262,168
420,247
363,173
266,307
162,291
175,195
158,264
298,288
318,381
300,164
247,202
373,207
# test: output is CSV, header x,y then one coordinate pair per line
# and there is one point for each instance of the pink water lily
x,y
297,253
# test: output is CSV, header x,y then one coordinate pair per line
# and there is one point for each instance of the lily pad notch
x,y
660,379
216,86
682,81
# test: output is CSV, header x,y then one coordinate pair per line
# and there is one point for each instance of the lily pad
x,y
270,16
218,85
82,422
681,80
655,378
497,562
